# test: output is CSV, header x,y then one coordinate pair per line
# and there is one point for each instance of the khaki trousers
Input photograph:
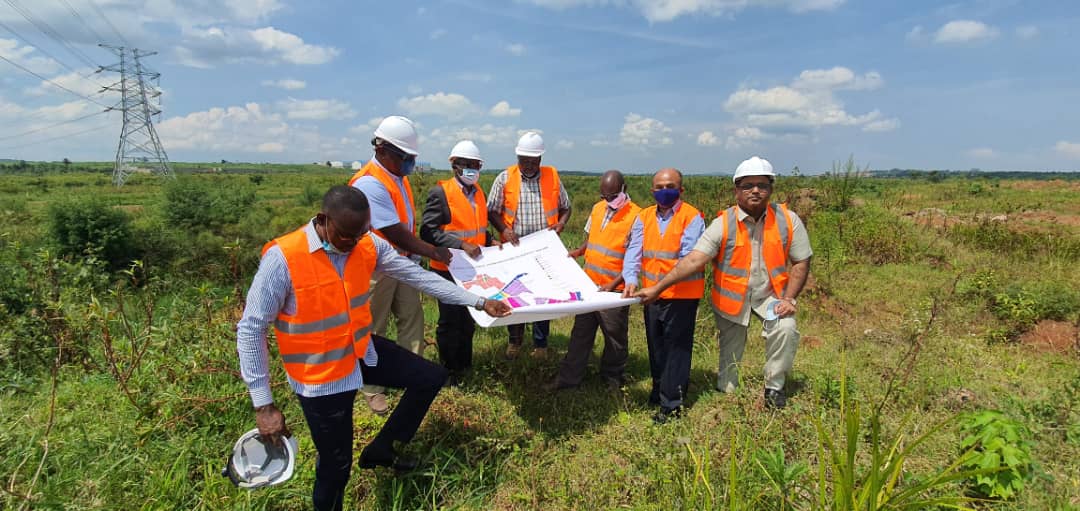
x,y
781,342
392,296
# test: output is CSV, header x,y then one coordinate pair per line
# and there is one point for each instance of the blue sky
x,y
629,84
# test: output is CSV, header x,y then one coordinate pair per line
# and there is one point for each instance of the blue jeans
x,y
540,331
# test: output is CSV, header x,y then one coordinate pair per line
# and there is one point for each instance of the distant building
x,y
356,165
337,165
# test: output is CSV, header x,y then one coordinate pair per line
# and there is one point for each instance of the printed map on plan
x,y
536,278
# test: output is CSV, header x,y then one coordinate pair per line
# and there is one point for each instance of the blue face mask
x,y
407,166
331,249
666,197
469,176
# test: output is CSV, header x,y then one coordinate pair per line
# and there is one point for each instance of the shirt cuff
x,y
261,396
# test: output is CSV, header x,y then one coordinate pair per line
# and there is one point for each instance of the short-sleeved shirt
x,y
759,289
530,213
383,211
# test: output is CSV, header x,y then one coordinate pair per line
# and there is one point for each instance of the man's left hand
x,y
785,308
472,250
496,308
558,227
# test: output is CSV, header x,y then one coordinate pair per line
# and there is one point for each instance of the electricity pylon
x,y
139,147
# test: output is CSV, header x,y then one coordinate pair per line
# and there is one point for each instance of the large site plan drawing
x,y
536,278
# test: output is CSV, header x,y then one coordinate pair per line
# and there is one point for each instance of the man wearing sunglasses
x,y
313,287
385,182
761,258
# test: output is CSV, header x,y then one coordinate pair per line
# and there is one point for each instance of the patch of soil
x,y
1053,337
1051,218
1053,184
810,342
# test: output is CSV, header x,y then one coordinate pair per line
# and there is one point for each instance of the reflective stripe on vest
x,y
731,266
402,204
549,195
467,222
660,253
606,245
331,327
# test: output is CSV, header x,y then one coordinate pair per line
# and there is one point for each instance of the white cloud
x,y
316,109
367,129
502,109
208,47
236,128
24,55
916,34
744,136
285,83
644,131
982,153
667,10
840,78
516,49
564,144
808,104
1068,149
75,82
964,31
708,139
441,104
1027,32
487,134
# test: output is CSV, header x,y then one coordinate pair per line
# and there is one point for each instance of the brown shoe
x,y
539,353
377,403
512,351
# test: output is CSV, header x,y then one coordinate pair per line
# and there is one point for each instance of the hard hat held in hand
x,y
401,132
530,144
466,149
754,167
255,463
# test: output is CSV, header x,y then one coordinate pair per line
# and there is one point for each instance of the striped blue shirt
x,y
271,292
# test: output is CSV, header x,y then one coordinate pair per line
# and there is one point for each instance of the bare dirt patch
x,y
1053,336
1053,184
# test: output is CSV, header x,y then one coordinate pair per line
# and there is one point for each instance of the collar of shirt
x,y
534,178
671,212
742,215
380,165
314,242
469,190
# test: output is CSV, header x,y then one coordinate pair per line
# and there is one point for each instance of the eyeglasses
x,y
611,196
746,187
398,153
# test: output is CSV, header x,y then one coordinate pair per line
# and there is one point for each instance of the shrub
x,y
194,202
88,226
838,186
1000,444
867,234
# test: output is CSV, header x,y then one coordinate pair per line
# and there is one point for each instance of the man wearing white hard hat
x,y
761,257
455,216
526,198
385,182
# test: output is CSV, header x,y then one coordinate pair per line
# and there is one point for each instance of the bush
x,y
1000,444
82,227
868,234
203,203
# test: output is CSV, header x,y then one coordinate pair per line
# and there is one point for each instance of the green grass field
x,y
931,302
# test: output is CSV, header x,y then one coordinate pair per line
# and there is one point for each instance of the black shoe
x,y
614,385
663,416
395,461
453,380
775,399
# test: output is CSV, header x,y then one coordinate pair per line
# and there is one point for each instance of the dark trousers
x,y
330,417
613,323
540,331
454,333
669,328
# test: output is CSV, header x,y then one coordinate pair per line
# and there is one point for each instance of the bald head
x,y
611,183
668,175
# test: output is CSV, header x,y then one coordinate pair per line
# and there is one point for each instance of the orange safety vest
x,y
467,223
401,203
549,194
606,245
659,254
731,266
331,328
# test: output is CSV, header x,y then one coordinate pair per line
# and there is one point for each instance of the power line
x,y
139,143
61,123
89,28
51,32
67,135
47,54
107,22
20,66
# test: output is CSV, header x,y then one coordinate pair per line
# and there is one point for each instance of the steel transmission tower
x,y
139,147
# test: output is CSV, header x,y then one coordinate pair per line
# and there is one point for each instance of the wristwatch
x,y
479,305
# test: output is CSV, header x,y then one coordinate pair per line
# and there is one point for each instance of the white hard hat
x,y
530,144
465,149
754,167
399,131
255,463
